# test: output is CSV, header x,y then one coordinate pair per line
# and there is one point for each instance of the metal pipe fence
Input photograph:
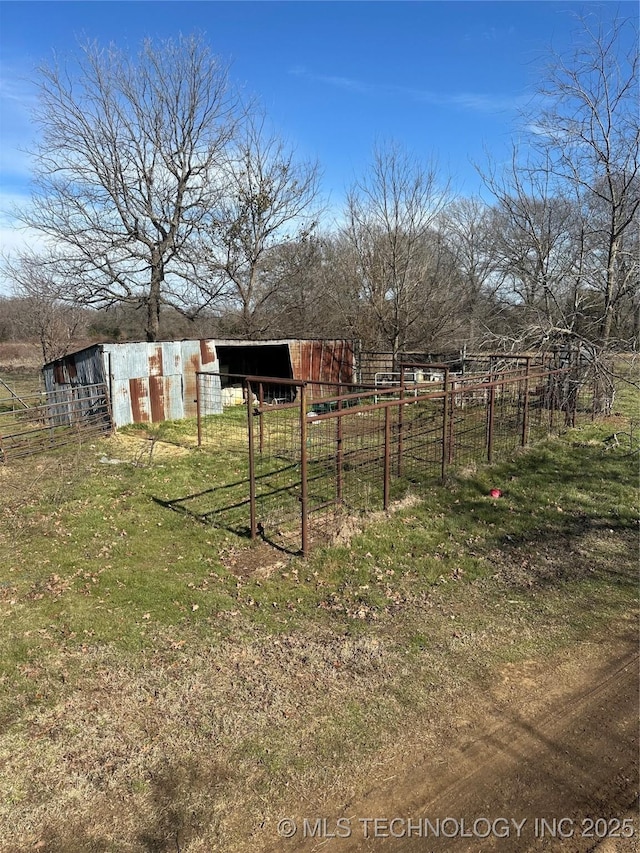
x,y
302,458
47,420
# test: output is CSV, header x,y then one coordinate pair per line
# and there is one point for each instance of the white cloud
x,y
474,101
17,98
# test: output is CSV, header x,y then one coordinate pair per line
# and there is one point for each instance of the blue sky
x,y
445,79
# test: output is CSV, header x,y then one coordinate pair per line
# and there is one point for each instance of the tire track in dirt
x,y
561,746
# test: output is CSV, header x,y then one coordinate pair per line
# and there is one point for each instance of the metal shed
x,y
151,382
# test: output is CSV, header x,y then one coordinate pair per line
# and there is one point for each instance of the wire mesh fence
x,y
302,457
47,420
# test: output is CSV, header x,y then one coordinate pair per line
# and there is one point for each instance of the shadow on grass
x,y
228,506
183,796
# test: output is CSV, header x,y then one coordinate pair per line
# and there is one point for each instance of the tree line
x,y
168,207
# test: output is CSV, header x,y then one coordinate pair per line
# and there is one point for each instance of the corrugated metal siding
x,y
152,382
84,367
191,363
139,394
120,402
322,361
148,382
166,371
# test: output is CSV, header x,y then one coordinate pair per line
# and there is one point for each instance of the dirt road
x,y
546,759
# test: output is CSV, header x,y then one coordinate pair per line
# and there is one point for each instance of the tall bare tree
x,y
270,200
539,251
588,133
472,234
128,166
391,213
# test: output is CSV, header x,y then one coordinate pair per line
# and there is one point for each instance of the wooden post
x,y
525,408
452,410
339,452
492,405
491,412
261,415
401,421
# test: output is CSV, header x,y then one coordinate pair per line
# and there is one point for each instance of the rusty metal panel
x,y
331,356
121,402
304,348
191,363
347,366
139,392
171,358
318,352
129,360
207,354
173,403
83,367
322,361
295,356
155,360
156,398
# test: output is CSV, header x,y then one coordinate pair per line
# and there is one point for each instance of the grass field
x,y
165,685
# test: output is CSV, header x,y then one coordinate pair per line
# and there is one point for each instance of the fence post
x,y
304,521
261,414
387,457
492,405
252,466
525,406
491,408
452,410
401,421
445,424
198,409
339,452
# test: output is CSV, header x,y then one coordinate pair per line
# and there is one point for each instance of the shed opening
x,y
258,360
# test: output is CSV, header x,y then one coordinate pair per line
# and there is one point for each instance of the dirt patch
x,y
261,560
554,740
352,525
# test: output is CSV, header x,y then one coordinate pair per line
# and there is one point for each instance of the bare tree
x,y
539,251
128,166
297,307
41,310
472,234
271,200
391,213
588,133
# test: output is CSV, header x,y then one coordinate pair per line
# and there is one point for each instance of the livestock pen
x,y
301,456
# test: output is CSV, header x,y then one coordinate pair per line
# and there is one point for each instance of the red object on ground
x,y
495,493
